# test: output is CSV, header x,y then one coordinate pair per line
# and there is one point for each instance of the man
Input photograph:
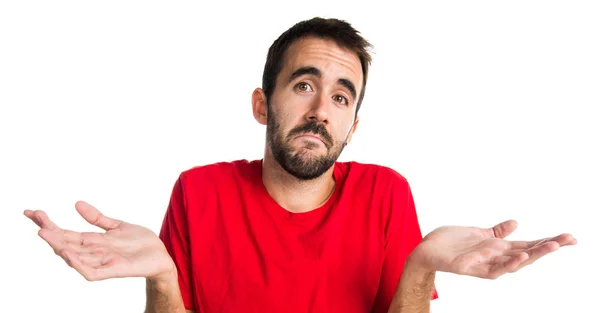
x,y
296,231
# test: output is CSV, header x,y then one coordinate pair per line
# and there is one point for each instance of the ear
x,y
259,106
352,130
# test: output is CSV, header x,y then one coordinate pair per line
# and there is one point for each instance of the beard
x,y
303,165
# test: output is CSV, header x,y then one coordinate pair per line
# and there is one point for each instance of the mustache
x,y
315,128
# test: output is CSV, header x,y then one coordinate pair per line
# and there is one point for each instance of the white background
x,y
489,109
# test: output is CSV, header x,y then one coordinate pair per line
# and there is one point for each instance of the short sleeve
x,y
403,234
175,236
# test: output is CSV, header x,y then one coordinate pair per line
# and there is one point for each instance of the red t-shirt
x,y
237,250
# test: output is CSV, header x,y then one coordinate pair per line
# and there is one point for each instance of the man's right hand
x,y
124,250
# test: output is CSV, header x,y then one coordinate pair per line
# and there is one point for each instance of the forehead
x,y
324,54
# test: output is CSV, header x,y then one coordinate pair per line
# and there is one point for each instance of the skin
x,y
471,251
306,99
327,107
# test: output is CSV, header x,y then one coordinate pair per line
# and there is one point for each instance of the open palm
x,y
483,252
124,250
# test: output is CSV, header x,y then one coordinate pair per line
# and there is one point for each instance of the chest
x,y
245,259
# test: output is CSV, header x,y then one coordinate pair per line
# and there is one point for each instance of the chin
x,y
309,155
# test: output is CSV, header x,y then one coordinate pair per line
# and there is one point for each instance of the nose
x,y
318,112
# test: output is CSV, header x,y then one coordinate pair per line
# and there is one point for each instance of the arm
x,y
176,288
124,250
399,271
414,291
164,296
471,251
127,250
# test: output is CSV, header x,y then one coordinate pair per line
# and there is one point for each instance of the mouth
x,y
313,136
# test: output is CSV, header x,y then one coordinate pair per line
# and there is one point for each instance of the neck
x,y
293,194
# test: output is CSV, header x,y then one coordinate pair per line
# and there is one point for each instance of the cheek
x,y
344,129
286,117
285,123
284,106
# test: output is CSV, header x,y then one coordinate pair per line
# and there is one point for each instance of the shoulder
x,y
372,173
219,172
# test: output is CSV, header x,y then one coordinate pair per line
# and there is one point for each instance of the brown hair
x,y
334,29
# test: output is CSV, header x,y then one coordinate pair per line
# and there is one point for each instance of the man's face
x,y
310,116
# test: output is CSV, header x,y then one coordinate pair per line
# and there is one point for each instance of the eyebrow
x,y
348,84
313,71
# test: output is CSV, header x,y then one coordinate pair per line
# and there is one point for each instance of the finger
x,y
45,220
503,265
59,240
562,240
527,245
72,238
94,258
90,273
524,245
41,219
503,229
540,251
94,217
31,215
543,249
53,238
565,240
84,242
492,268
83,239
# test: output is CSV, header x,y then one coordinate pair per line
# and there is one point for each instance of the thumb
x,y
94,217
503,229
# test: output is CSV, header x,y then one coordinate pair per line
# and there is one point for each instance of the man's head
x,y
313,84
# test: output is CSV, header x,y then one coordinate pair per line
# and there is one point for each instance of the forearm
x,y
414,291
163,295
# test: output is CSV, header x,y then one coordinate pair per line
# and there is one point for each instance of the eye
x,y
340,99
303,87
